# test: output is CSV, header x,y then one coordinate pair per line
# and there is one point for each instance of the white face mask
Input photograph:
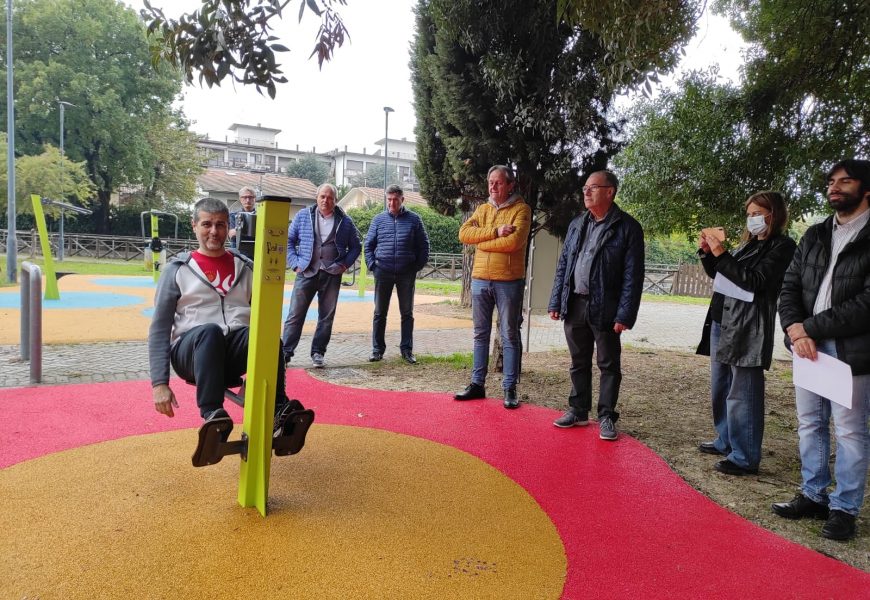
x,y
756,224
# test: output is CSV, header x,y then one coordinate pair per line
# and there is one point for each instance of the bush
x,y
670,250
443,231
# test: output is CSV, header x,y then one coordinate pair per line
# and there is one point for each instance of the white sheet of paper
x,y
726,287
826,376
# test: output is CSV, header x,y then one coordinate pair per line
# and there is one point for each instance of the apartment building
x,y
254,147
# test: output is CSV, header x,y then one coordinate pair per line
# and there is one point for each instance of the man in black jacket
x,y
596,291
825,307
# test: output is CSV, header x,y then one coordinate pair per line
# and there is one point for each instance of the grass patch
x,y
675,299
430,287
457,360
85,266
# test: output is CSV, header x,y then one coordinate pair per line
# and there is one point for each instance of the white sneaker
x,y
317,360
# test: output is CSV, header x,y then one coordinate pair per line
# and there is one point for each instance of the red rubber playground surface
x,y
396,494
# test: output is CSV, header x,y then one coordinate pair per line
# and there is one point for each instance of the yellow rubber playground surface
x,y
97,308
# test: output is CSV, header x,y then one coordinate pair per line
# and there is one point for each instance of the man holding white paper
x,y
825,308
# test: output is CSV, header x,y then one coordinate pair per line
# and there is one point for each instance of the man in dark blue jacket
x,y
596,291
322,244
396,247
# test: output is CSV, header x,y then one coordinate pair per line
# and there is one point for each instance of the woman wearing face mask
x,y
738,333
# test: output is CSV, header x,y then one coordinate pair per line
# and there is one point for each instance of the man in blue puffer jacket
x,y
396,247
322,243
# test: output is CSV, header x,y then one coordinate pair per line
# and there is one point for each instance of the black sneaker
x,y
571,418
510,398
220,413
376,356
800,507
840,526
281,414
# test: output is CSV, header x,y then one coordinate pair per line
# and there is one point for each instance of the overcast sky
x,y
342,104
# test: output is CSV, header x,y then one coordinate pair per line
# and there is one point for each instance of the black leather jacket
x,y
747,328
848,320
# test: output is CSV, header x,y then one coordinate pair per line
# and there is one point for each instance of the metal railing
x,y
117,247
31,319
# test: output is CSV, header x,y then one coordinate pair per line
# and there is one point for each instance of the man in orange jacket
x,y
500,230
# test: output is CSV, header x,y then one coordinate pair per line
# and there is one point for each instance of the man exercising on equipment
x,y
202,311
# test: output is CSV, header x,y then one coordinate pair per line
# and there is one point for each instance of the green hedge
x,y
443,231
670,250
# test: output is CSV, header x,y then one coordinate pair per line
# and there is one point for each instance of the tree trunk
x,y
467,266
101,212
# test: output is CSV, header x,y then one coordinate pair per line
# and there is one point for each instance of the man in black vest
x,y
322,243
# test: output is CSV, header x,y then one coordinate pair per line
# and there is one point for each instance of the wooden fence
x,y
691,280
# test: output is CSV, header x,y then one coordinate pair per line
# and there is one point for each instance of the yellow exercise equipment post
x,y
51,290
270,259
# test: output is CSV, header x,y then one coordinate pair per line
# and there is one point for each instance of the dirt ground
x,y
664,403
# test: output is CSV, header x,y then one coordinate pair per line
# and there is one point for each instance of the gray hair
x,y
209,205
610,176
508,172
396,189
330,186
248,189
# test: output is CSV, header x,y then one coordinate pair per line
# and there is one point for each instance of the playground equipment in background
x,y
246,228
64,206
51,291
155,253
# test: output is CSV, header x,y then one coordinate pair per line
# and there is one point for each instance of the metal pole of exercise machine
x,y
270,257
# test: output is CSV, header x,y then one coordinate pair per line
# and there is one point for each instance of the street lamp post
x,y
387,111
60,245
11,238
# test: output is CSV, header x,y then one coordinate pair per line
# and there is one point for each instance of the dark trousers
x,y
404,284
581,336
213,362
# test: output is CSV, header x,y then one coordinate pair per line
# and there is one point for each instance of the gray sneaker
x,y
571,418
317,360
606,429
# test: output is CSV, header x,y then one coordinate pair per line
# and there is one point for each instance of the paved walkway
x,y
661,325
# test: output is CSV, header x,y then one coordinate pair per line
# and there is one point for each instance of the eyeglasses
x,y
248,197
592,188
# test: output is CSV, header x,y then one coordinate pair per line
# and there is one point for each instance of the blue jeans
x,y
404,284
326,287
853,443
737,395
507,296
